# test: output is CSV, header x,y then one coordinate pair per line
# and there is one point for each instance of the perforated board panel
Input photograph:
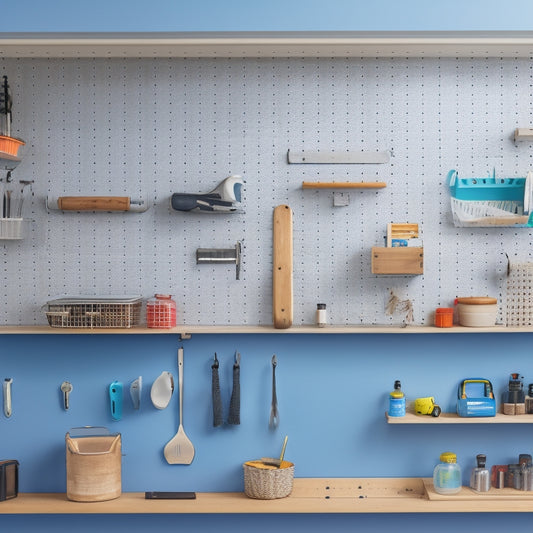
x,y
142,127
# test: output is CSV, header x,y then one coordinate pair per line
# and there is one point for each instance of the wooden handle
x,y
282,298
94,203
343,185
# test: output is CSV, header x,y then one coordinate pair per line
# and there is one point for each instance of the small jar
x,y
444,317
447,475
480,476
321,319
161,311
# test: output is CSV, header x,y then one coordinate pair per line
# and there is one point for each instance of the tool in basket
x,y
276,462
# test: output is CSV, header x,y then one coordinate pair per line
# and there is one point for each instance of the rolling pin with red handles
x,y
96,203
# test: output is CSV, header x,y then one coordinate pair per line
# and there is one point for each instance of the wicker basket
x,y
264,482
93,467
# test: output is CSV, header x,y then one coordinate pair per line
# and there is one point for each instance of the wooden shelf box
x,y
398,261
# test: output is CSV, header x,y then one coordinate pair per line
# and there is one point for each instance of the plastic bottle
x,y
397,400
161,311
321,315
447,475
480,477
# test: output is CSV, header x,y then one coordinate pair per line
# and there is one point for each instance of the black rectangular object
x,y
156,495
9,479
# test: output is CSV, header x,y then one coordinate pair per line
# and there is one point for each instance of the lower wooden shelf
x,y
310,495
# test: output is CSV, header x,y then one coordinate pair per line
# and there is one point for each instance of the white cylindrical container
x,y
477,311
321,318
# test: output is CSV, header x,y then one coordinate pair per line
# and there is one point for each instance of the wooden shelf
x,y
399,261
452,418
185,331
343,185
310,495
467,494
269,44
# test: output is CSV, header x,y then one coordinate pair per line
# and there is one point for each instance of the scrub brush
x,y
276,462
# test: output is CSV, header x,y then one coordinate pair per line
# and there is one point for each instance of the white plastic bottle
x,y
447,477
321,317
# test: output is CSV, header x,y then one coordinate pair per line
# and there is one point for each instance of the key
x,y
66,389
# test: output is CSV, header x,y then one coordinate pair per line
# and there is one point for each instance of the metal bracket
x,y
221,255
347,158
341,199
185,336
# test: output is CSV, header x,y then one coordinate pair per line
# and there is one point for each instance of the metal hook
x,y
215,364
237,360
8,177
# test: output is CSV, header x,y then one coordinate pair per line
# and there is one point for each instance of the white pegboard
x,y
143,127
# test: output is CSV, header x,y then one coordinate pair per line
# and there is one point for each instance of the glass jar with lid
x,y
161,311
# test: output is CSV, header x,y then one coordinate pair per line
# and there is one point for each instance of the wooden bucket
x,y
93,467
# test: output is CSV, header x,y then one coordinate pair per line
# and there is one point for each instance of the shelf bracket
x,y
185,336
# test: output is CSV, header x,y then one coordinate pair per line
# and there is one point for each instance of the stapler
x,y
225,198
475,397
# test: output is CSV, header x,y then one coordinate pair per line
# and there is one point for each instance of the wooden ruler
x,y
282,267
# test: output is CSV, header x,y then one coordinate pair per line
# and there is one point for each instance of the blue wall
x,y
332,393
274,15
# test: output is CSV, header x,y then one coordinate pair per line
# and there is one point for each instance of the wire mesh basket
x,y
94,312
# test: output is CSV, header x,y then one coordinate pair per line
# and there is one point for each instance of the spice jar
x,y
444,317
321,315
161,311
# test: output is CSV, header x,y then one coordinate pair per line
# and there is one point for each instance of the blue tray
x,y
489,188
